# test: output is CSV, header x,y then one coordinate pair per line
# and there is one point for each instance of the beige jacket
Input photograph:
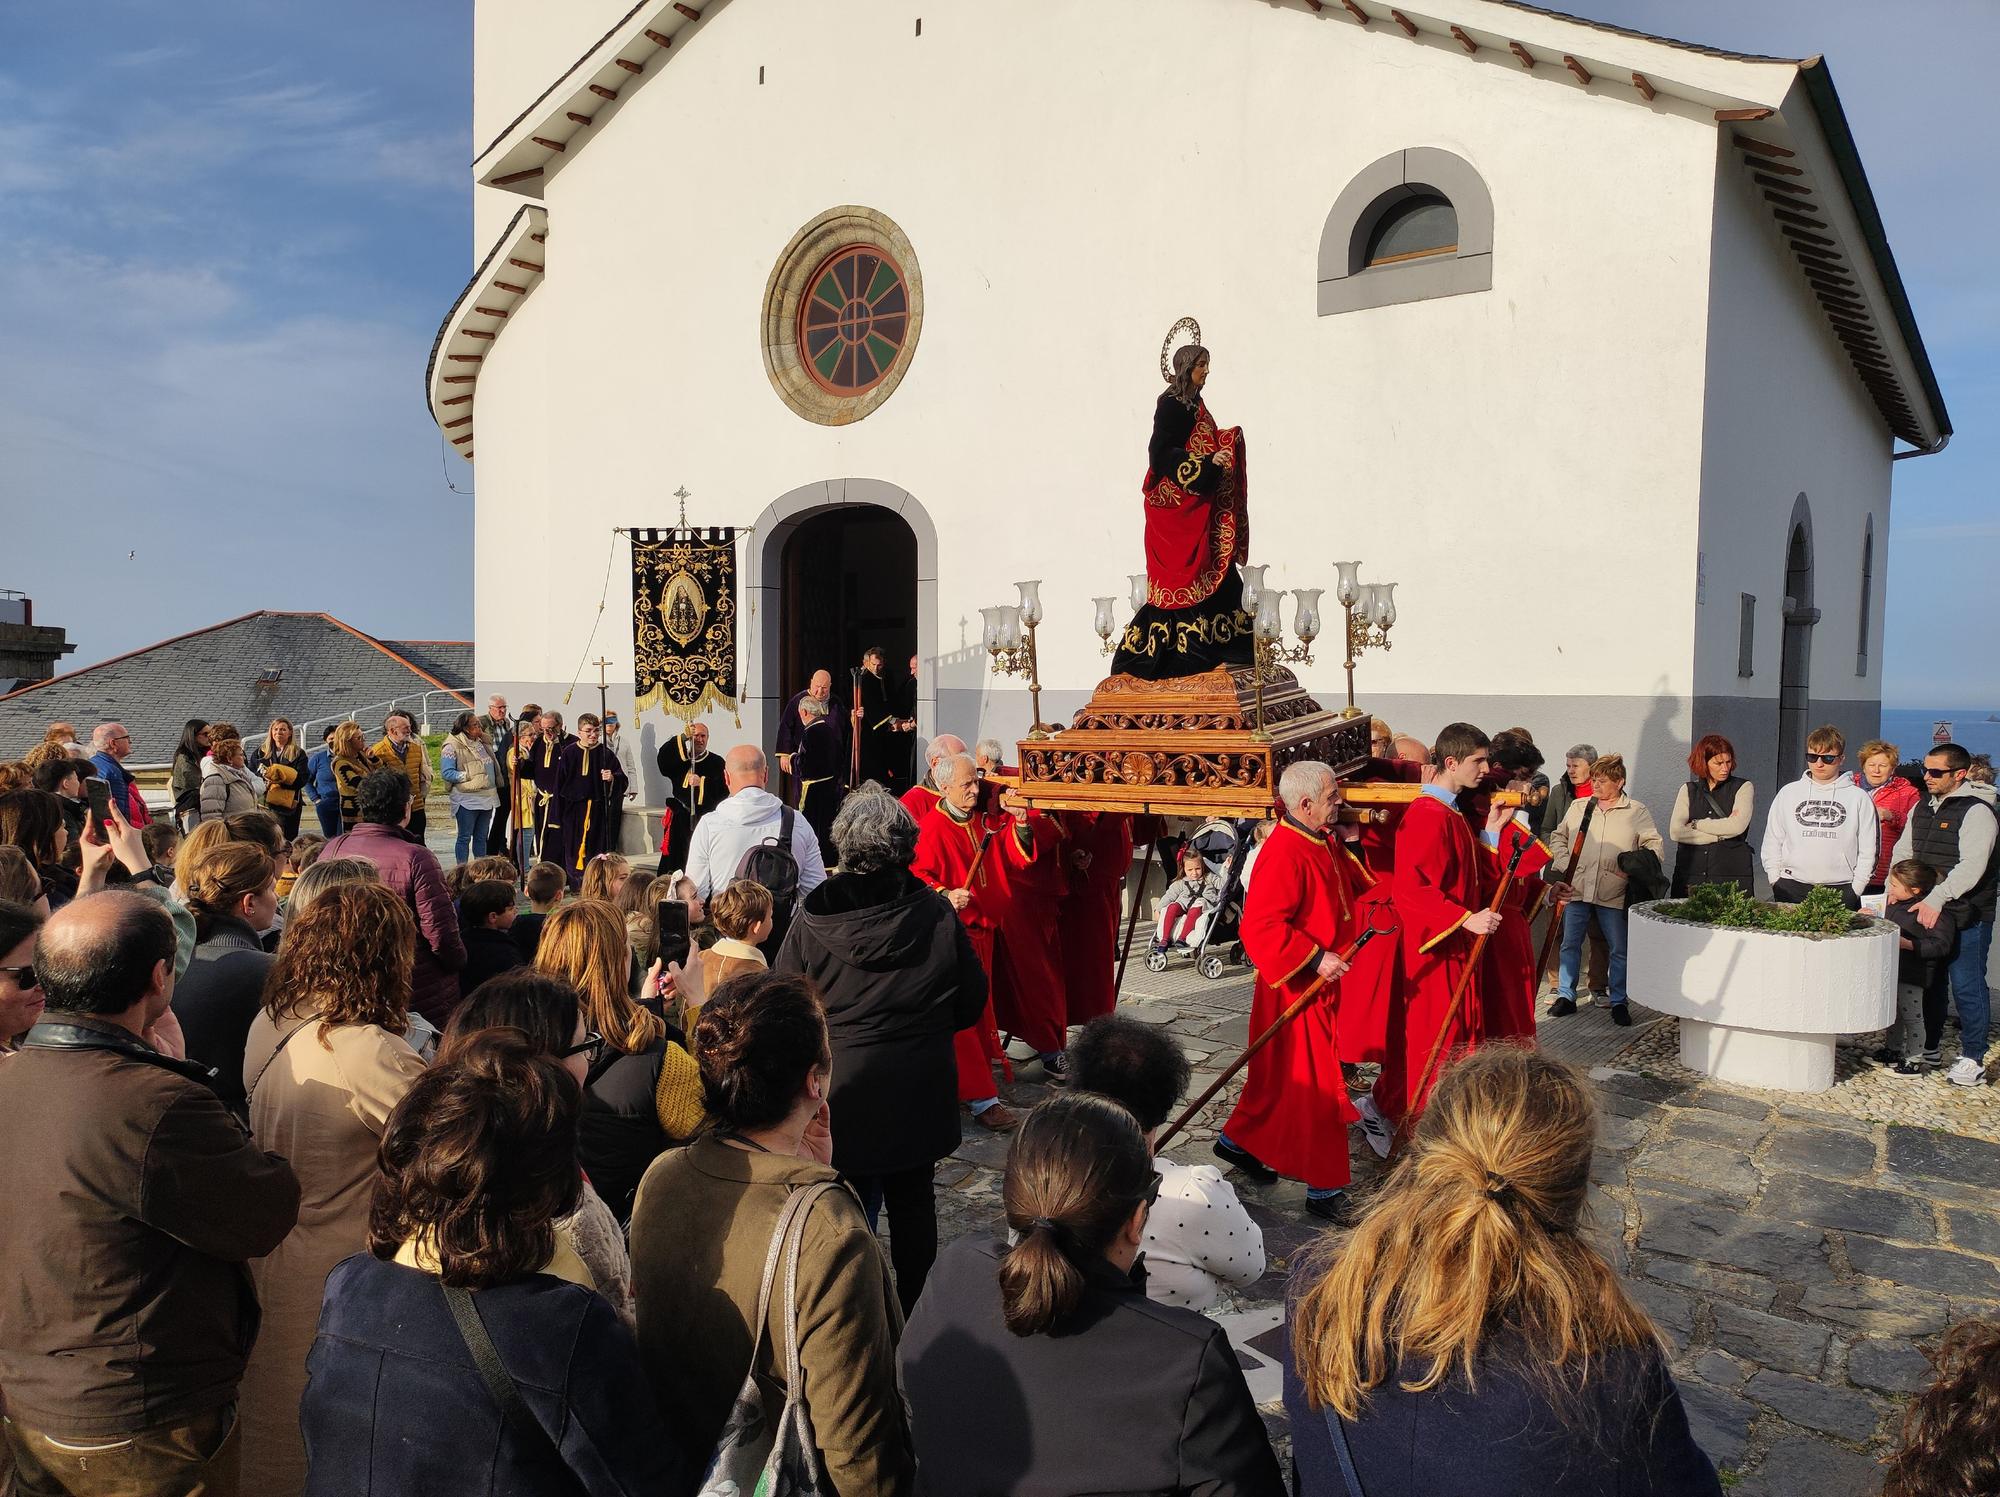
x,y
1623,826
322,1106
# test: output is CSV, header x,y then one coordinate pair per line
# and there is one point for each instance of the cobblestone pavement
x,y
1798,1254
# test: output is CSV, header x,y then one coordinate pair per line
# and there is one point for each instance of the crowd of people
x,y
549,1172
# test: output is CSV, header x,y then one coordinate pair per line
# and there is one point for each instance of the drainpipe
x,y
1938,446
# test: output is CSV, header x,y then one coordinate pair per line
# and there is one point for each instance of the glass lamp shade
x,y
1347,590
1365,605
1141,591
1306,622
1106,620
1270,624
1253,584
1031,601
989,629
1010,627
1386,608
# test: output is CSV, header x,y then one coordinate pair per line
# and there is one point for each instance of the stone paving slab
x,y
1799,1254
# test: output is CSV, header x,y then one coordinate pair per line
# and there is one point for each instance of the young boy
x,y
545,888
1921,991
163,844
1821,831
485,918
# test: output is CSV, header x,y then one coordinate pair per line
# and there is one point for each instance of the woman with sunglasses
x,y
1022,1353
20,993
548,1011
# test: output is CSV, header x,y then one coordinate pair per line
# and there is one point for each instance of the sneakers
x,y
1336,1208
1886,1055
1965,1071
1243,1160
1913,1065
1055,1068
1374,1127
1621,1015
1562,1008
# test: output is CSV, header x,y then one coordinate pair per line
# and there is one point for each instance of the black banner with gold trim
x,y
684,620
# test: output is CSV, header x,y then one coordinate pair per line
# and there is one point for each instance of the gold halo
x,y
1186,325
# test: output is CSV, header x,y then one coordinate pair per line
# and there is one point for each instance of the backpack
x,y
773,864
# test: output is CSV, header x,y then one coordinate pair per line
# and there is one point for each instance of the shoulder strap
x,y
1346,1457
795,1203
786,816
514,1410
251,1090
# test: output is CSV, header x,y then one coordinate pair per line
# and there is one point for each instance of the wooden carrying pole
x,y
1451,1012
854,736
1297,1007
1132,918
1556,910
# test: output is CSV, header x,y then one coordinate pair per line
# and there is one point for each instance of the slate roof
x,y
244,670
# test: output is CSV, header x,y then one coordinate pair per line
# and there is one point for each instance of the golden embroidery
x,y
1188,474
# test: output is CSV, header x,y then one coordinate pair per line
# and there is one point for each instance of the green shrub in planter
x,y
1820,913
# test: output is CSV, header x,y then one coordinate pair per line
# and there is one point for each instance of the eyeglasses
x,y
592,1046
1937,774
1822,758
1153,1190
22,977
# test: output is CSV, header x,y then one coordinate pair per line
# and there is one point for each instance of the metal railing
x,y
376,711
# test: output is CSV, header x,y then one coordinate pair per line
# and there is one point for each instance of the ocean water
x,y
1910,728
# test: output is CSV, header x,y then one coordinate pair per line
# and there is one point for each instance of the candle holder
x,y
1009,637
1370,609
1107,624
1268,637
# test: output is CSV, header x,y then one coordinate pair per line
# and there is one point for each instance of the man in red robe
x,y
1507,969
1028,995
1099,853
921,798
1298,914
1436,887
950,841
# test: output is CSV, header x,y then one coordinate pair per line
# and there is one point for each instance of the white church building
x,y
1591,341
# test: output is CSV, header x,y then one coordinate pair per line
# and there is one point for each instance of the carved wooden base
x,y
1186,747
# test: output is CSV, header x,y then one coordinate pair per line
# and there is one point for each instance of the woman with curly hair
x,y
643,1093
1951,1433
1467,1338
465,1247
324,1066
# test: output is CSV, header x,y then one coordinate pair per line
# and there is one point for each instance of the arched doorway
x,y
1795,660
848,581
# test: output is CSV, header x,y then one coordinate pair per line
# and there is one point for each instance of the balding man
x,y
694,788
110,747
921,800
820,689
133,1201
750,818
1298,914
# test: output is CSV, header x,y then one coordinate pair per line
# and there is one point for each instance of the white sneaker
x,y
1374,1127
1965,1071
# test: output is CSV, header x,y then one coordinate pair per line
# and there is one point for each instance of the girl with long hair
x,y
350,767
231,889
1466,1337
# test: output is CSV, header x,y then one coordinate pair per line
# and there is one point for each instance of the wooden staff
x,y
1403,793
1297,1007
1556,911
1132,919
854,745
1465,977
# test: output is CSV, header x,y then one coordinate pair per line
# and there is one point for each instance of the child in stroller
x,y
1205,904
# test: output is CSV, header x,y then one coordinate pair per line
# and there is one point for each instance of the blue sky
x,y
230,229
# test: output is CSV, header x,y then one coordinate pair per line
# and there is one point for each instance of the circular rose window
x,y
842,313
853,320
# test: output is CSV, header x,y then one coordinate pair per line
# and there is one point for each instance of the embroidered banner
x,y
684,620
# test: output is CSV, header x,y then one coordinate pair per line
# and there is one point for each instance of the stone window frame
x,y
848,226
1347,283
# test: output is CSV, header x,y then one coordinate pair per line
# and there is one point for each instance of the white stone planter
x,y
1762,1008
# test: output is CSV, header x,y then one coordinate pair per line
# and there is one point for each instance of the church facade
x,y
1590,341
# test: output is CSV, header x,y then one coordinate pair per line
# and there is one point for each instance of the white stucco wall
x,y
1072,182
519,47
1783,416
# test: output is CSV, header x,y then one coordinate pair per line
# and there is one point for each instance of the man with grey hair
x,y
1298,914
134,1200
110,747
991,756
817,780
751,817
819,689
921,799
1574,784
958,854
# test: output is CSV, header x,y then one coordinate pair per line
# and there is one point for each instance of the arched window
x,y
1410,229
1867,595
1415,225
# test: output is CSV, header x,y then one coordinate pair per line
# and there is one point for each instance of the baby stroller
x,y
1223,845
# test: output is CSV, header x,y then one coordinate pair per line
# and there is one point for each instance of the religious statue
x,y
1197,530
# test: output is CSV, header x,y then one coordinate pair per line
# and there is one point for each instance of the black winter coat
x,y
1130,1397
216,999
899,977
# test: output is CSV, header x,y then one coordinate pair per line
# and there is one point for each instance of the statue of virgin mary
x,y
1197,530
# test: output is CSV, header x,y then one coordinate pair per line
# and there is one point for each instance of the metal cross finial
x,y
683,495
